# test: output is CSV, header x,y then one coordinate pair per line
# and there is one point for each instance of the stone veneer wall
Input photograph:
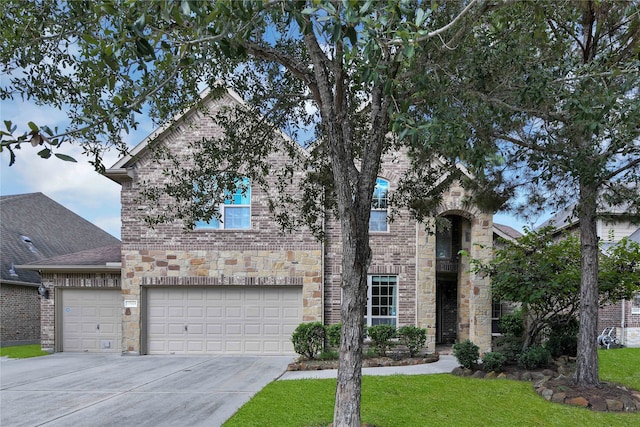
x,y
210,266
474,292
54,281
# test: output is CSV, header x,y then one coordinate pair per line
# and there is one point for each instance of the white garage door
x,y
91,320
222,320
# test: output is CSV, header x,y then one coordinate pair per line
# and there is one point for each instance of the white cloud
x,y
77,186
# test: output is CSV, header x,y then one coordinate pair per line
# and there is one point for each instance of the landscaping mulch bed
x,y
368,362
556,384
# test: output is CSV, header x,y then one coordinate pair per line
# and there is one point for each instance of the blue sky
x,y
76,185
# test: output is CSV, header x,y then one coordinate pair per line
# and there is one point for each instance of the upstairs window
x,y
378,220
235,212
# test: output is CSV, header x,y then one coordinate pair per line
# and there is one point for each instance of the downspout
x,y
622,322
417,275
322,266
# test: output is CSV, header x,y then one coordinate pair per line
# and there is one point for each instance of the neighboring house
x,y
34,228
243,286
612,226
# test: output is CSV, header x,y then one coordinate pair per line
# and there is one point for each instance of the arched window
x,y
235,212
378,220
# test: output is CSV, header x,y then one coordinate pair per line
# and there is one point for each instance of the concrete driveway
x,y
67,389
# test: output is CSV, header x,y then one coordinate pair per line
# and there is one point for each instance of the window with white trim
x,y
235,212
635,304
382,301
378,219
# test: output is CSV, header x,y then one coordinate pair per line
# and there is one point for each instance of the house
x,y
35,228
241,285
613,224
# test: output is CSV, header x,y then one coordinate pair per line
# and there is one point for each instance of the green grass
x,y
22,351
620,366
438,400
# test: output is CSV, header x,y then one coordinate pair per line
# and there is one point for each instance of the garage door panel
x,y
233,320
215,329
91,320
231,346
251,329
233,312
271,313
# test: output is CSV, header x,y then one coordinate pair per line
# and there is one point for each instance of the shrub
x,y
563,339
510,347
328,355
381,336
308,339
467,353
512,324
534,357
413,338
493,361
333,335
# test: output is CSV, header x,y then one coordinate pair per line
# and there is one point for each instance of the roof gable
x,y
118,172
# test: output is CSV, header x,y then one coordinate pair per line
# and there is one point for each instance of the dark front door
x,y
446,312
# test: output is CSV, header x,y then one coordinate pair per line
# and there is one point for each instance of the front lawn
x,y
23,351
437,400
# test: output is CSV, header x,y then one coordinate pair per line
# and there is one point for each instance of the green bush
x,y
413,338
509,346
512,324
467,353
381,336
333,335
308,339
562,340
534,357
493,361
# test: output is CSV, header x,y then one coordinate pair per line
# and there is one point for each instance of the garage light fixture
x,y
43,292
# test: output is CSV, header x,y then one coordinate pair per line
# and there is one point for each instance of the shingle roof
x,y
34,227
97,257
506,232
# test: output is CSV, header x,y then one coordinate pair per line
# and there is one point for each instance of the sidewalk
x,y
443,366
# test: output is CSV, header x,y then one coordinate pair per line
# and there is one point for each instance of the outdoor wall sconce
x,y
43,292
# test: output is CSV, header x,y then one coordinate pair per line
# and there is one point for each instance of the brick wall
x,y
20,314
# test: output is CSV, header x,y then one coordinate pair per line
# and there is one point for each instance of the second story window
x,y
235,212
378,220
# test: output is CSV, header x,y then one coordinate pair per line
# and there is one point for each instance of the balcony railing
x,y
447,265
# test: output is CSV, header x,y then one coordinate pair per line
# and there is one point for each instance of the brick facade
x,y
19,318
263,255
621,317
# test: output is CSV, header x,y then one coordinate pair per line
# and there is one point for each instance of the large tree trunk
x,y
355,262
587,363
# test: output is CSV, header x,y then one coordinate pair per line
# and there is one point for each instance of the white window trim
x,y
220,224
385,210
368,315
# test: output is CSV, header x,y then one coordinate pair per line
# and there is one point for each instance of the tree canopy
x,y
541,271
545,95
343,70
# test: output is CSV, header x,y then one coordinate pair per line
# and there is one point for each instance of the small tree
x,y
543,274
